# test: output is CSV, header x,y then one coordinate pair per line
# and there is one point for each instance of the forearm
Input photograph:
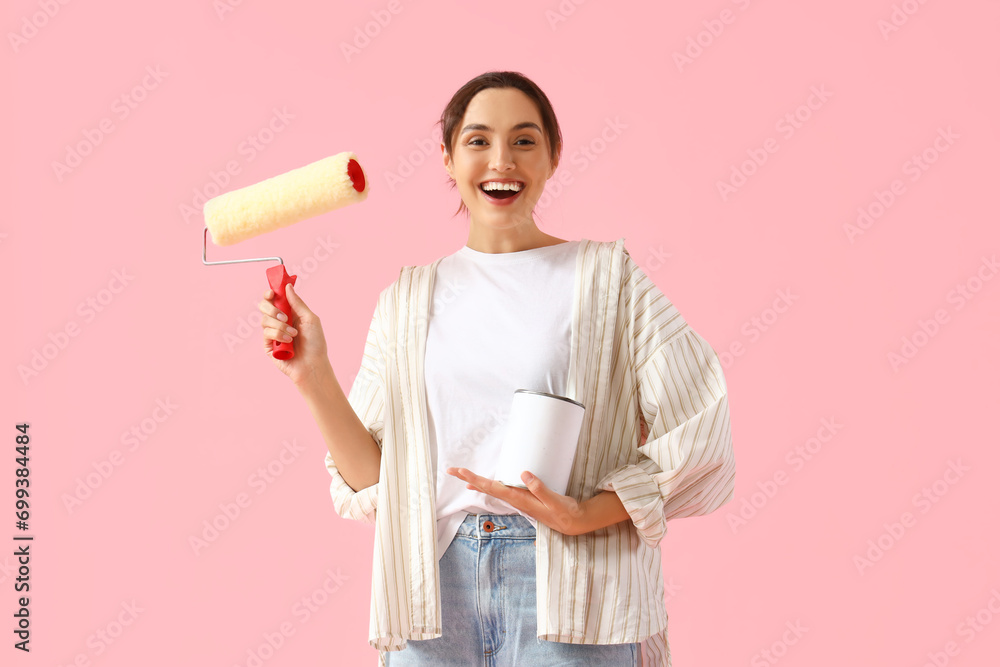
x,y
354,451
604,509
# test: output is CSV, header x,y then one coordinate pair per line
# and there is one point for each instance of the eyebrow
x,y
487,128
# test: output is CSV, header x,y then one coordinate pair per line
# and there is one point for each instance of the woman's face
x,y
500,138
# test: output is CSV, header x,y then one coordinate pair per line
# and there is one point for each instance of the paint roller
x,y
280,201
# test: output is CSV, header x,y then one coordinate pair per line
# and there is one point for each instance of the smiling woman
x,y
467,570
501,143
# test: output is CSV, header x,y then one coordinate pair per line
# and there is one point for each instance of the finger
x,y
458,472
275,323
540,491
474,481
271,310
298,305
271,333
531,481
511,494
469,476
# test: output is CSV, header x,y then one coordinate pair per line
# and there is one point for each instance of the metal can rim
x,y
545,393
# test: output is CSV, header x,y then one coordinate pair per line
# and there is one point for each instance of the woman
x,y
465,568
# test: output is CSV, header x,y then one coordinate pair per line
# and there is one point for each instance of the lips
x,y
502,197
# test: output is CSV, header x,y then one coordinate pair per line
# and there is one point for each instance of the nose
x,y
500,158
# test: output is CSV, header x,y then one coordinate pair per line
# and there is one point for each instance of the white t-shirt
x,y
499,322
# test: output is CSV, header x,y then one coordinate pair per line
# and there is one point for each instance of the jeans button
x,y
488,526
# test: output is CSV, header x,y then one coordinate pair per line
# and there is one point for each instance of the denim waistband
x,y
504,526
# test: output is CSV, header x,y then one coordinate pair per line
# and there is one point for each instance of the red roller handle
x,y
277,278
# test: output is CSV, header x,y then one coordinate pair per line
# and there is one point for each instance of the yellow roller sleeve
x,y
285,199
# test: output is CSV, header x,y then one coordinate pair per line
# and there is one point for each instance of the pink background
x,y
661,136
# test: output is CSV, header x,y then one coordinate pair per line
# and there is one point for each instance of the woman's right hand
x,y
305,332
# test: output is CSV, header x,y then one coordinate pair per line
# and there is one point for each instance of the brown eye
x,y
473,142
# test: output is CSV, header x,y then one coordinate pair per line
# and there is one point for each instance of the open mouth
x,y
501,193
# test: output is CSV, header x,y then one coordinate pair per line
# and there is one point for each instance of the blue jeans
x,y
488,606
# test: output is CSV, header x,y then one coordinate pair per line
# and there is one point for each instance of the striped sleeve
x,y
686,466
367,397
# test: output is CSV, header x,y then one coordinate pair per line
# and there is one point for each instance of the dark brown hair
x,y
455,111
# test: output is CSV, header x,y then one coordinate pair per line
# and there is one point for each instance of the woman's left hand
x,y
558,512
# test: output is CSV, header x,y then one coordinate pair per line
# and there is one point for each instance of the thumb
x,y
297,304
538,487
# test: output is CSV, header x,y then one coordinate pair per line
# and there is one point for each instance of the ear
x,y
447,161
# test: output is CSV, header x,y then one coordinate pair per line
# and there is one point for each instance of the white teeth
x,y
492,185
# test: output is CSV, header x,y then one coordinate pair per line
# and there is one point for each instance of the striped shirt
x,y
656,432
